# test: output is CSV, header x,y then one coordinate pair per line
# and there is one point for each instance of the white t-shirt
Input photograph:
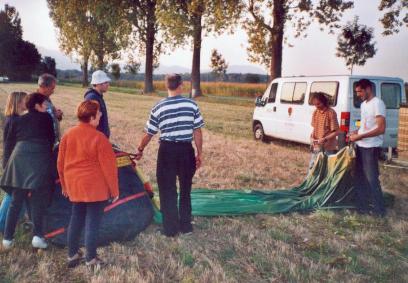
x,y
369,110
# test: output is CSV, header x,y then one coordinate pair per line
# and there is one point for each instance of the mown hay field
x,y
322,246
209,88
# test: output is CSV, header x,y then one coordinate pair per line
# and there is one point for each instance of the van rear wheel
x,y
259,133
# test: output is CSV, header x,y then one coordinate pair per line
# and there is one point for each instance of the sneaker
x,y
39,243
7,244
75,260
95,263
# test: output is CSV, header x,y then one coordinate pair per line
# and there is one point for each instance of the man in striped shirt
x,y
179,121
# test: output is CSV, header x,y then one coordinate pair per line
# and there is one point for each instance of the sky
x,y
313,55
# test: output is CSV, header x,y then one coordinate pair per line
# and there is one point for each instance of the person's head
x,y
88,112
100,81
320,100
364,89
46,84
36,102
15,104
174,83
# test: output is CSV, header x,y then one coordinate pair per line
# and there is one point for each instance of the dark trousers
x,y
38,202
88,215
368,189
175,160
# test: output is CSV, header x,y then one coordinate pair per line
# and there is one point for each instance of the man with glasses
x,y
369,139
100,85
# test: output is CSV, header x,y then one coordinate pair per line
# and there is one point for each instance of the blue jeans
x,y
5,204
4,207
368,188
88,215
37,204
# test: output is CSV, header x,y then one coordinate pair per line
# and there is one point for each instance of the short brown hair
x,y
173,81
87,109
322,97
364,84
33,99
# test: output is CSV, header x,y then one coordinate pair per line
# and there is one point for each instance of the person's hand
x,y
64,193
139,155
198,161
59,114
321,141
115,199
354,137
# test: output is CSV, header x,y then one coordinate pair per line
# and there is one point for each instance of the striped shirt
x,y
176,118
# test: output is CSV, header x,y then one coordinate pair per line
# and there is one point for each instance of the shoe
x,y
39,243
75,260
161,232
7,244
95,263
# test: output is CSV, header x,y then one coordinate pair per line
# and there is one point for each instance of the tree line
x,y
99,31
19,59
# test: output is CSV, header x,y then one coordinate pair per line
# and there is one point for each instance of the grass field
x,y
317,247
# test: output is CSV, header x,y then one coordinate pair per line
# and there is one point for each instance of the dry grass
x,y
322,246
212,88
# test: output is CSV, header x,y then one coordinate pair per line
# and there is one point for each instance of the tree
x,y
269,19
142,15
355,44
394,11
184,20
218,64
115,71
133,66
48,65
18,58
94,30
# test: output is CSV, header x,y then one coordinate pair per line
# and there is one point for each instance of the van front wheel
x,y
259,133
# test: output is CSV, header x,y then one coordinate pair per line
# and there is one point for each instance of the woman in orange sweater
x,y
89,177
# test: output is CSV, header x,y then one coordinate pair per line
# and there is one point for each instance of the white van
x,y
285,110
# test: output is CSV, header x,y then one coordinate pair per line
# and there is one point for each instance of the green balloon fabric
x,y
328,185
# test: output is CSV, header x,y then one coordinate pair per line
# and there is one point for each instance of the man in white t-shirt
x,y
369,139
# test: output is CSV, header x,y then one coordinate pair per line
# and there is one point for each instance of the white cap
x,y
99,77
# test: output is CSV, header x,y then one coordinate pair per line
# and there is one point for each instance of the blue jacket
x,y
103,126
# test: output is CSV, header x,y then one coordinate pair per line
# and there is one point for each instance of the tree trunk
x,y
150,36
278,15
84,66
100,64
195,72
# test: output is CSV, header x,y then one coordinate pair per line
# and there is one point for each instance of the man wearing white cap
x,y
100,84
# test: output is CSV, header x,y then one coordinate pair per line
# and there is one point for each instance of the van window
x,y
293,93
391,95
299,93
329,88
356,100
272,94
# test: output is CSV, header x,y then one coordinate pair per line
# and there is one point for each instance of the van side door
x,y
391,93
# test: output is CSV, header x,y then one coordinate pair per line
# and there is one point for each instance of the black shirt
x,y
33,126
9,141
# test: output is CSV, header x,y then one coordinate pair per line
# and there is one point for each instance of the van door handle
x,y
274,109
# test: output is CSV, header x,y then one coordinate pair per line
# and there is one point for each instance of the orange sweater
x,y
87,165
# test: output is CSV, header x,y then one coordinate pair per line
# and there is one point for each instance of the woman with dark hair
x,y
89,177
325,127
28,172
